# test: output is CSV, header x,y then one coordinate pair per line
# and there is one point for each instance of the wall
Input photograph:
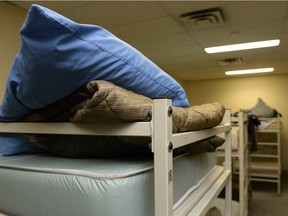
x,y
181,82
236,93
11,20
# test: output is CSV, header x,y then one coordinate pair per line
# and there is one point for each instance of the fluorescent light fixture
x,y
249,71
243,46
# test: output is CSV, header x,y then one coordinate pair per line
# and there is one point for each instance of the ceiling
x,y
158,31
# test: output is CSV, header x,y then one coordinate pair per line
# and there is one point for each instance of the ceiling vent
x,y
203,19
230,61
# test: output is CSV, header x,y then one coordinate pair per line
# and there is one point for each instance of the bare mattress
x,y
104,187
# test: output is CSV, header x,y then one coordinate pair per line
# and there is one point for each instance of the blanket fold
x,y
102,101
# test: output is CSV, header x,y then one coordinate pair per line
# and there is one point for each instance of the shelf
x,y
274,174
268,143
264,179
265,165
264,155
268,131
266,151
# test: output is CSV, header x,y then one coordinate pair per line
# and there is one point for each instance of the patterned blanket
x,y
102,101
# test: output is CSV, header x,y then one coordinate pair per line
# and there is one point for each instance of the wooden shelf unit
x,y
265,163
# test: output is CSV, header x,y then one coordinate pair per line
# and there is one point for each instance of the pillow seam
x,y
80,36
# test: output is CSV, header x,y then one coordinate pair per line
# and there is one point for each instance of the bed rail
x,y
163,143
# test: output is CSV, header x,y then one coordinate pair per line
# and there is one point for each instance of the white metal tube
x,y
108,129
228,165
163,169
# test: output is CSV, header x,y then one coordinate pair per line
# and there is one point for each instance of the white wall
x,y
11,20
243,92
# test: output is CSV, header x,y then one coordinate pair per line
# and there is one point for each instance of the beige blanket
x,y
101,101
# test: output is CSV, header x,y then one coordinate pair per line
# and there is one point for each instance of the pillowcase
x,y
13,144
262,109
57,56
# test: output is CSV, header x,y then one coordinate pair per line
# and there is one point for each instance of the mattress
x,y
269,124
234,141
45,185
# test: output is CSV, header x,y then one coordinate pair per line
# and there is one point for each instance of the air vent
x,y
230,61
203,18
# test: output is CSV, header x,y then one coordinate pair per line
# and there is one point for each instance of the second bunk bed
x,y
240,161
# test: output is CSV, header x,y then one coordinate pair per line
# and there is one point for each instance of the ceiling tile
x,y
154,27
148,29
255,11
175,43
113,13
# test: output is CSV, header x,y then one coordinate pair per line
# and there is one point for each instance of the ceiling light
x,y
243,46
249,71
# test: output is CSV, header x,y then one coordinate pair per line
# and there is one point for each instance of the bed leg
x,y
162,147
228,166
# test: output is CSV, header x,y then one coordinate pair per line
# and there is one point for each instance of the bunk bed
x,y
240,159
266,155
266,144
16,178
74,83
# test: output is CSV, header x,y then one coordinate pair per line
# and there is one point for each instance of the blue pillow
x,y
57,56
13,144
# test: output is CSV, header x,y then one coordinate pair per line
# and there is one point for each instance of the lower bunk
x,y
165,184
45,185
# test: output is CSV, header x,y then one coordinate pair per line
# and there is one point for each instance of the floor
x,y
266,202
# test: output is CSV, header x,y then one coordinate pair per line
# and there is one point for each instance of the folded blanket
x,y
102,101
74,146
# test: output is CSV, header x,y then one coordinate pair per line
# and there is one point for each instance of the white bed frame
x,y
163,143
241,162
264,170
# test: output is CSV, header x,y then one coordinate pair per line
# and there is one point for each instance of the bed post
x,y
228,164
242,163
162,147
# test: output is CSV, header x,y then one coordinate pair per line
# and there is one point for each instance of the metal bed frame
x,y
163,143
241,161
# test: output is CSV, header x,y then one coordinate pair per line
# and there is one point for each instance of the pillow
x,y
262,109
12,144
57,56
